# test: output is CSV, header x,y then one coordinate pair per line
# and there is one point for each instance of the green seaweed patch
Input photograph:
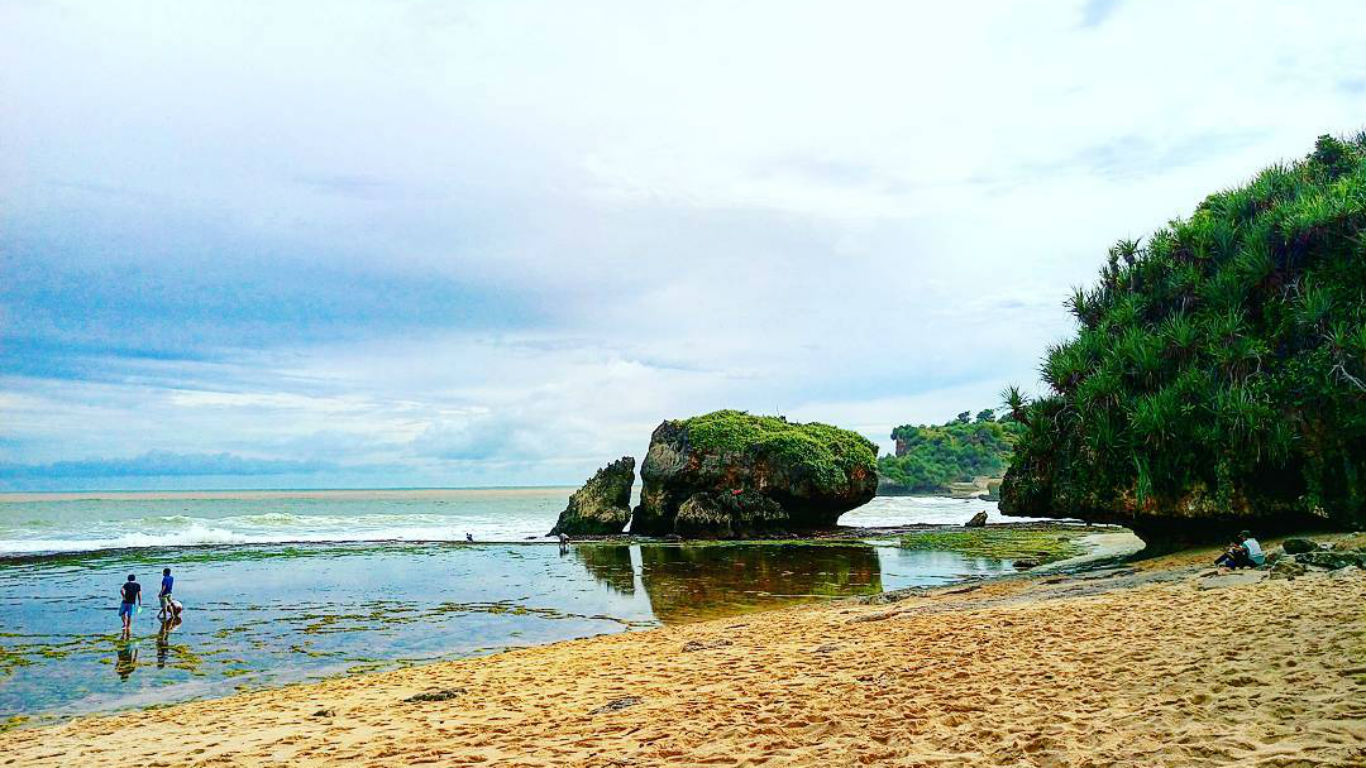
x,y
12,722
1044,544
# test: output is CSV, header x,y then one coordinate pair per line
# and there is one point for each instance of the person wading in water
x,y
131,592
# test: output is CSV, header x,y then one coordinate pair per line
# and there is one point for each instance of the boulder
x,y
978,520
603,505
729,474
1295,546
1286,568
1332,560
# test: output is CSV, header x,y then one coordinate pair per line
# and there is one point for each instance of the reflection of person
x,y
564,543
168,625
131,592
127,661
167,581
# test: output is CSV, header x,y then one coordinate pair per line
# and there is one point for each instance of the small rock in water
x,y
1298,546
445,694
978,520
616,704
1024,565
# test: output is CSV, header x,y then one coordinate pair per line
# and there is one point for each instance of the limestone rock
x,y
1286,568
603,505
1332,560
730,474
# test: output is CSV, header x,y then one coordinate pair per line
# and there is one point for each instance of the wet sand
x,y
1158,664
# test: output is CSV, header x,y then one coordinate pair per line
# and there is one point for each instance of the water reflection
x,y
609,564
691,583
169,624
126,660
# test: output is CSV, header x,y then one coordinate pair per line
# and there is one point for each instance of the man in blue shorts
x,y
131,592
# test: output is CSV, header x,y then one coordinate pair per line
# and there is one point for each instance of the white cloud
x,y
866,214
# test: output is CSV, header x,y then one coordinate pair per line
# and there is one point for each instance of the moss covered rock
x,y
603,505
730,474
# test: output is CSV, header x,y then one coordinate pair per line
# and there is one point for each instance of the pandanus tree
x,y
1218,374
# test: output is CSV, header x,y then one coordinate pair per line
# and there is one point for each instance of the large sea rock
x,y
729,474
603,505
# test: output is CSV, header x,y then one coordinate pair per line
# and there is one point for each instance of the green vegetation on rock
x,y
729,474
1043,544
1218,376
829,453
929,458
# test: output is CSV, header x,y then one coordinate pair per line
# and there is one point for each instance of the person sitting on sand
x,y
1253,549
1244,552
167,581
131,592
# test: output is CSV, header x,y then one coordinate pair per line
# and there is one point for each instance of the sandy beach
x,y
1154,664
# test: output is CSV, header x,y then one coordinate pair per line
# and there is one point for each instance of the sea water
x,y
287,586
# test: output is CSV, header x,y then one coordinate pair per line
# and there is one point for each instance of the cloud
x,y
499,243
161,464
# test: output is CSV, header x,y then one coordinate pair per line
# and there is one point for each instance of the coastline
x,y
262,616
1152,663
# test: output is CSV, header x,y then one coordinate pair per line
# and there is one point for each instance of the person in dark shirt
x,y
167,581
131,592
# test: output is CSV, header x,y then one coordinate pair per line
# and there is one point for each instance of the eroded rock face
x,y
729,474
603,505
1036,486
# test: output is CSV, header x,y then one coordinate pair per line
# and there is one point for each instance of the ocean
x,y
297,585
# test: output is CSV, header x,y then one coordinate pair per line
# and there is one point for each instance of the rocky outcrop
x,y
603,505
729,474
978,520
1295,546
1037,486
1299,555
1200,395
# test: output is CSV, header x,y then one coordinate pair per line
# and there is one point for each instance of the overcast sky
x,y
291,244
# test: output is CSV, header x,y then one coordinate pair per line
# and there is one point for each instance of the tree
x,y
986,415
936,456
1218,373
964,417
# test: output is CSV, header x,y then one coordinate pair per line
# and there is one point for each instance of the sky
x,y
456,244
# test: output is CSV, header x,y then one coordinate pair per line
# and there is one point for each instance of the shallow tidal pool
x,y
260,616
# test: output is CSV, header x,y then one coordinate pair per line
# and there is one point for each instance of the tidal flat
x,y
259,616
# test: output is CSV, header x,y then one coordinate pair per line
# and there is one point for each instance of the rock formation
x,y
1216,380
978,520
729,474
603,505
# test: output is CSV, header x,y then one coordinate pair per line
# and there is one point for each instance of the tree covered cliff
x,y
930,457
1218,374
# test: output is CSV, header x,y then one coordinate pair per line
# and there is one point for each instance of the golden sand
x,y
1162,667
